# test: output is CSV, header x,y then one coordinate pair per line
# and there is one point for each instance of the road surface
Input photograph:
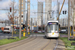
x,y
35,42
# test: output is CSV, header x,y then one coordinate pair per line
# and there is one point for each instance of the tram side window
x,y
56,27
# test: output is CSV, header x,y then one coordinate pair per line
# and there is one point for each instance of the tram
x,y
52,29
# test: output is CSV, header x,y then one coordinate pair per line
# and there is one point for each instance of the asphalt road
x,y
34,42
6,35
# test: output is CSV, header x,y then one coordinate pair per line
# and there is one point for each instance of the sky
x,y
6,4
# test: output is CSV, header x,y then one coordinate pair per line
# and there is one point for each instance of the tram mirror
x,y
59,25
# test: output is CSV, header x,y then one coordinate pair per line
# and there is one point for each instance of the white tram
x,y
52,29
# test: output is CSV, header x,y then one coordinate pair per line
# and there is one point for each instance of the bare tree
x,y
11,18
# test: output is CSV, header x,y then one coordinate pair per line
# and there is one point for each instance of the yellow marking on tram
x,y
52,33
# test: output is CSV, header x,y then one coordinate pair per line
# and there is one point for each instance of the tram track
x,y
31,42
56,45
50,43
46,45
18,43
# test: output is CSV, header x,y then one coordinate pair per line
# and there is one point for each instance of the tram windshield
x,y
52,27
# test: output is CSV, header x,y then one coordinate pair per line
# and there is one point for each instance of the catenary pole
x,y
68,19
13,19
20,20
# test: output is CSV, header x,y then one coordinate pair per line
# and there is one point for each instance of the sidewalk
x,y
65,36
61,45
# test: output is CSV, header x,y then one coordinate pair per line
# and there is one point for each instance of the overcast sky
x,y
5,4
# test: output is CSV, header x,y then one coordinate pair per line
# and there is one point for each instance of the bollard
x,y
24,34
70,34
74,34
28,32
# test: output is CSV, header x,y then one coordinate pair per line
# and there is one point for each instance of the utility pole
x,y
13,20
27,23
17,24
73,25
20,20
17,21
31,24
28,10
58,8
41,23
63,22
24,11
68,19
73,22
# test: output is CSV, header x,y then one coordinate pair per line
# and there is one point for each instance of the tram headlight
x,y
56,31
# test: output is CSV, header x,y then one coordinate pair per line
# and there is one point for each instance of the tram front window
x,y
52,28
56,28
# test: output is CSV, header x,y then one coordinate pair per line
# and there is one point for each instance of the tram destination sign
x,y
52,23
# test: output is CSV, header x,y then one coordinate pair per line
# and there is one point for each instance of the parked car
x,y
39,31
7,29
43,31
35,31
63,31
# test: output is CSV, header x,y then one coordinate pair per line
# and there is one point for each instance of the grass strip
x,y
7,41
68,43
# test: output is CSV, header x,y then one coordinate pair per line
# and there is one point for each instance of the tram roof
x,y
53,21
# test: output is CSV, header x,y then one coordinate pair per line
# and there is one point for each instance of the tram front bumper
x,y
56,35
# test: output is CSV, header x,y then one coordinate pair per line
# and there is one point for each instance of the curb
x,y
61,45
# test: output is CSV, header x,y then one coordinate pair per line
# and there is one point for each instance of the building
x,y
63,21
40,13
48,7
